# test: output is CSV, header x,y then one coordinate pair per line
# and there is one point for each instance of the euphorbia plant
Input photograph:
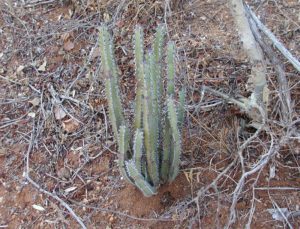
x,y
149,149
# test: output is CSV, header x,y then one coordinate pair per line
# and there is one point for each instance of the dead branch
x,y
284,92
282,214
294,214
275,41
257,80
237,102
257,167
203,190
58,102
31,181
36,3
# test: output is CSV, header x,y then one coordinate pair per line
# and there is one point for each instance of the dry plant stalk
x,y
286,53
283,88
257,80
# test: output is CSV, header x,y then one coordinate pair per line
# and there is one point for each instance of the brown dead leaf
x,y
31,114
241,205
20,69
38,207
3,152
71,189
71,12
65,36
42,67
69,45
70,125
106,17
35,102
59,113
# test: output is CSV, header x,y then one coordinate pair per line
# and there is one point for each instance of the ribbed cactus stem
x,y
167,149
139,68
158,61
167,134
170,68
149,131
175,156
110,75
146,188
158,51
107,54
153,156
181,110
154,97
138,150
123,143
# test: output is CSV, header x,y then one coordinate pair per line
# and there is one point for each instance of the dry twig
x,y
284,92
274,40
36,185
257,79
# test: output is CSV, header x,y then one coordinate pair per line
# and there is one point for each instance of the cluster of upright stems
x,y
149,150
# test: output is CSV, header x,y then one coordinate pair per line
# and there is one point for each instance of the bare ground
x,y
54,127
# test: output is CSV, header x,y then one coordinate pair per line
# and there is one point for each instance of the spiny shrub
x,y
149,150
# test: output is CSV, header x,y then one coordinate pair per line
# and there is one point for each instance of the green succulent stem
x,y
149,150
158,54
149,126
138,147
123,143
171,68
111,78
143,185
139,68
176,142
167,150
181,110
